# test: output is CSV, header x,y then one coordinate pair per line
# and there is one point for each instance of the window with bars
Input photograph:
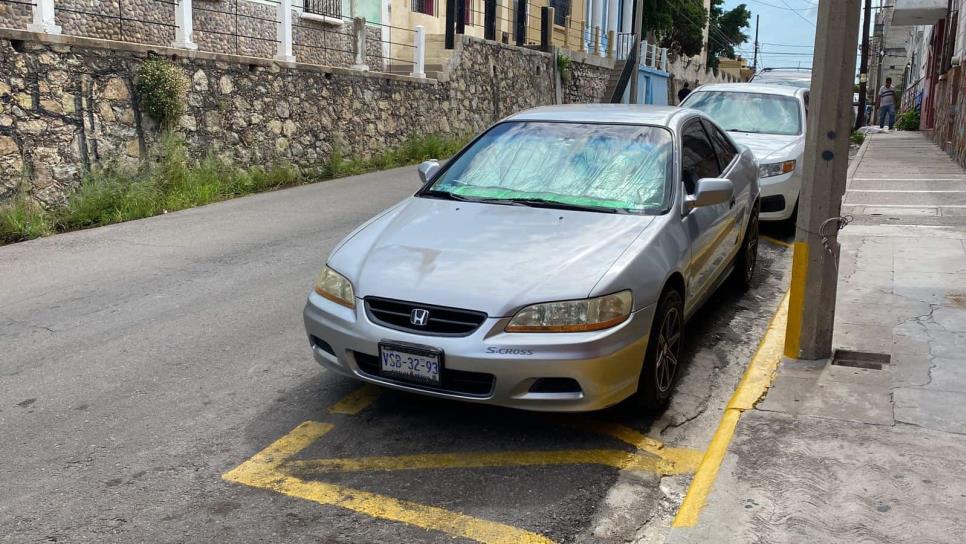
x,y
424,6
561,10
329,8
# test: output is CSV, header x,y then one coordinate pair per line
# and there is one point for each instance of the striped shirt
x,y
887,96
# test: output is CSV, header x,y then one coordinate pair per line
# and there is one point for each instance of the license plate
x,y
422,365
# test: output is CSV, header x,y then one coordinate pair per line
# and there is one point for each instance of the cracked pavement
x,y
845,454
143,360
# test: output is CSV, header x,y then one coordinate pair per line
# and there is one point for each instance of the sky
x,y
786,31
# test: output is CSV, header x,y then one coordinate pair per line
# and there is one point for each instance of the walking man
x,y
684,92
886,103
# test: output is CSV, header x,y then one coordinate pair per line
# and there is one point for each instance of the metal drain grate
x,y
860,359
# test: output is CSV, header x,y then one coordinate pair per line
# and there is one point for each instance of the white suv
x,y
770,120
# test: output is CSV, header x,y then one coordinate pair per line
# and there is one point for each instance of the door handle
x,y
732,203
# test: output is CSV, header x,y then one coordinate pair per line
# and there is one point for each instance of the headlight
x,y
335,287
590,314
775,169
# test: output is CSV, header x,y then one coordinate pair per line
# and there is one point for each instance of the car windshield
x,y
749,112
600,167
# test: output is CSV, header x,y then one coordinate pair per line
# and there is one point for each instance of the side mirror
x,y
710,191
427,169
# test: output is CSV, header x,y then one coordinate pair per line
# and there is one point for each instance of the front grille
x,y
442,321
453,381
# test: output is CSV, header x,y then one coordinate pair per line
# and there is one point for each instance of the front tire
x,y
747,260
663,355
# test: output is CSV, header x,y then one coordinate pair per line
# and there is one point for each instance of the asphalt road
x,y
142,361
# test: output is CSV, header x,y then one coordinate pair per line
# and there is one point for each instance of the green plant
x,y
564,67
857,137
908,120
168,180
161,87
22,219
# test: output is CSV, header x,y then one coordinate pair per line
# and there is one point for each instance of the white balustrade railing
x,y
44,21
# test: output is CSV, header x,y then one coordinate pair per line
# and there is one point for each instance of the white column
x,y
44,18
359,44
419,52
284,35
628,22
596,21
612,13
184,26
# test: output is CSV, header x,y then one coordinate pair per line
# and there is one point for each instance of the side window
x,y
698,159
726,152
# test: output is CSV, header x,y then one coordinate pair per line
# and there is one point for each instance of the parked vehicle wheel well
x,y
676,281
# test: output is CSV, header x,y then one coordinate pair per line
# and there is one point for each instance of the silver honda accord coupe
x,y
550,265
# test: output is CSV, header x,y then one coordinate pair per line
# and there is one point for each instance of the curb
x,y
854,164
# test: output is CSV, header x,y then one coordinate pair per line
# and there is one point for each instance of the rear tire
x,y
746,262
662,357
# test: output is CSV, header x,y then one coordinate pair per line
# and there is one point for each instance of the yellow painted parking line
x,y
356,401
775,241
261,471
754,384
619,459
684,460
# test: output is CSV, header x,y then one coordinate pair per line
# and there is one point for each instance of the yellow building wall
x,y
402,15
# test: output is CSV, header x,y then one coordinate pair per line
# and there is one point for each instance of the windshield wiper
x,y
545,203
446,195
746,131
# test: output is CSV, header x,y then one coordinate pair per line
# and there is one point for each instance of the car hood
x,y
770,146
486,257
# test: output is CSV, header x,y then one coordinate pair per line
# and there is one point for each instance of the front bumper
x,y
606,364
779,194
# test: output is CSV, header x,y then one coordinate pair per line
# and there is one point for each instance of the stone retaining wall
x,y
588,78
67,104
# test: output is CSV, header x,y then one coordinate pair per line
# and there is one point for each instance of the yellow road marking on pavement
x,y
754,384
356,401
775,241
261,471
796,303
685,460
619,459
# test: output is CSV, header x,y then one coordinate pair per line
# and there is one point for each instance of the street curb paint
x,y
796,302
775,241
754,384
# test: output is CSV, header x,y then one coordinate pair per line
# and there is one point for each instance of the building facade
x,y
935,76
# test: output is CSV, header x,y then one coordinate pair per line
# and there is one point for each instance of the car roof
x,y
762,88
785,69
602,113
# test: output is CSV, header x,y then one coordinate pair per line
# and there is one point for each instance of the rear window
x,y
749,112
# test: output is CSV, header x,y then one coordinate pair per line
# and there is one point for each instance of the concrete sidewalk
x,y
873,450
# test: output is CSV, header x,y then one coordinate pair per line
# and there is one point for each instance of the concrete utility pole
x,y
864,66
754,63
638,26
811,305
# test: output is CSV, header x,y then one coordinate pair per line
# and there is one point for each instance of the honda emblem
x,y
419,317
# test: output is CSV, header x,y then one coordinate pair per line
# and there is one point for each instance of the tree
x,y
676,24
725,31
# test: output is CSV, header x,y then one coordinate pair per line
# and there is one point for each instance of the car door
x,y
728,160
708,227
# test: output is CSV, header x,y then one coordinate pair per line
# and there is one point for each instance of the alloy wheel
x,y
668,350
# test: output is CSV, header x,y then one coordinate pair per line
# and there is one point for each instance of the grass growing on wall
x,y
168,181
